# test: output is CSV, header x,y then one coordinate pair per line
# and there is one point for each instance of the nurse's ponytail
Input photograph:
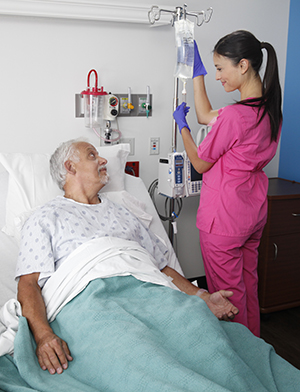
x,y
272,90
242,44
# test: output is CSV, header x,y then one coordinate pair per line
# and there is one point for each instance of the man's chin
x,y
105,179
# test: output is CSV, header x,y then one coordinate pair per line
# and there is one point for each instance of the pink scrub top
x,y
233,200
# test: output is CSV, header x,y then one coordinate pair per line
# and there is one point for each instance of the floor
x,y
282,331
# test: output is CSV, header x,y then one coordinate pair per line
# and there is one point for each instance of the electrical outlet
x,y
154,145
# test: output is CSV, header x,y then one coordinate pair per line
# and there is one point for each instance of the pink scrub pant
x,y
231,264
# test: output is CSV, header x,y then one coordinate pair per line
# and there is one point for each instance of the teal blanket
x,y
127,335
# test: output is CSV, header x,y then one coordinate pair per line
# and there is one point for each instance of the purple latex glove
x,y
179,116
199,68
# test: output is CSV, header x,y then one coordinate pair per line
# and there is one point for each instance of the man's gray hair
x,y
65,151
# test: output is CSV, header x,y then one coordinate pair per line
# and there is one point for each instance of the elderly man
x,y
62,225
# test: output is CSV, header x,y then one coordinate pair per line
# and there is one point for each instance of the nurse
x,y
242,141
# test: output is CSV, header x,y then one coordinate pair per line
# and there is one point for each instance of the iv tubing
x,y
184,87
184,91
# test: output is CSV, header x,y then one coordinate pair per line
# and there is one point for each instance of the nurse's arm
x,y
191,149
205,113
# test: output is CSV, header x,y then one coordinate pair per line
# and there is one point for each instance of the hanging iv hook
x,y
180,13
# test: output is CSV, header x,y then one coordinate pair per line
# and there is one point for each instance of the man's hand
x,y
219,304
53,353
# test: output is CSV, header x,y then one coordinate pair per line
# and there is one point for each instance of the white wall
x,y
45,61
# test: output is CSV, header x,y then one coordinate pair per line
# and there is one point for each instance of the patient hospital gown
x,y
55,230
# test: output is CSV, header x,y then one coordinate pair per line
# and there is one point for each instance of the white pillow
x,y
31,185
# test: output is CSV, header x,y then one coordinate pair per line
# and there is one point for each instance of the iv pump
x,y
177,176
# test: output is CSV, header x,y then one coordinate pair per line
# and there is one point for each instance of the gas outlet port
x,y
142,105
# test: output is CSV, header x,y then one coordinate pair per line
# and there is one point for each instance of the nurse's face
x,y
228,73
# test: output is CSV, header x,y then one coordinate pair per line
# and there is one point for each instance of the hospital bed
x,y
125,334
31,186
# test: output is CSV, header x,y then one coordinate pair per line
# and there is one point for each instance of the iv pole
x,y
178,14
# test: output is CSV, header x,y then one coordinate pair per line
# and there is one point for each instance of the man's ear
x,y
69,166
244,65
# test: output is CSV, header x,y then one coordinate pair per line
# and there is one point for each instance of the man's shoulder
x,y
50,205
57,201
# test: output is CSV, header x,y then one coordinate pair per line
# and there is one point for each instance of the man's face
x,y
91,168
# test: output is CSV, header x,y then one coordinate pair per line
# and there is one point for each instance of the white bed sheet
x,y
9,247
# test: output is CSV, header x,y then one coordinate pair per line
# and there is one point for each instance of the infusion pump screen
x,y
178,162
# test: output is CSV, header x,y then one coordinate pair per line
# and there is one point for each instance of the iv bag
x,y
184,38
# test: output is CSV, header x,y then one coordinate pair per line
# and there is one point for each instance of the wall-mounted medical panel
x,y
138,107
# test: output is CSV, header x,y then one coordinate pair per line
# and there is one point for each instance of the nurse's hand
x,y
199,68
219,304
179,116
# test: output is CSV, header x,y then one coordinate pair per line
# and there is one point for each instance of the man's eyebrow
x,y
90,148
